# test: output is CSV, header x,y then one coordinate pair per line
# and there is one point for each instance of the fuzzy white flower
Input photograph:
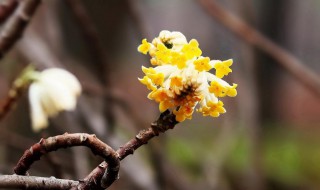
x,y
52,91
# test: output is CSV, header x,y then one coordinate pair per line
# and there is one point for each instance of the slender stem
x,y
289,62
15,26
6,8
34,182
165,122
13,95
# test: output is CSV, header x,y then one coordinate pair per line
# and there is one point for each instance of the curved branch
x,y
33,182
15,26
289,62
165,122
69,140
6,8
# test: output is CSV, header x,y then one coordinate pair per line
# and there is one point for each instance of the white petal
x,y
166,69
49,107
213,62
63,77
38,117
164,33
63,97
212,77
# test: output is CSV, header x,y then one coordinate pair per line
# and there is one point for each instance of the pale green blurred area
x,y
268,139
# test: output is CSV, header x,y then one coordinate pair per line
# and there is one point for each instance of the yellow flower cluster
x,y
180,79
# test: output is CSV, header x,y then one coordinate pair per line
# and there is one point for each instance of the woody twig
x,y
165,122
16,24
66,140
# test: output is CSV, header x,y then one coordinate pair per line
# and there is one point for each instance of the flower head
x,y
51,91
180,79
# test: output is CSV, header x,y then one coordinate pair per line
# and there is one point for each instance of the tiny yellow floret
x,y
144,47
147,71
222,68
184,112
158,95
163,54
217,89
232,91
178,59
213,109
176,81
148,82
154,61
157,78
192,49
202,64
164,105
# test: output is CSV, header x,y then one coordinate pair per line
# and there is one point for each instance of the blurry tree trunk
x,y
263,76
271,24
250,104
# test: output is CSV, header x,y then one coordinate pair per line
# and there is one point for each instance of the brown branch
x,y
7,104
15,26
33,182
6,8
69,140
165,122
250,35
17,89
11,32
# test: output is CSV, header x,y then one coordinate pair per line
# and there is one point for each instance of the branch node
x,y
83,137
140,135
155,128
101,165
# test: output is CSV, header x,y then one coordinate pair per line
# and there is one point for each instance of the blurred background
x,y
269,139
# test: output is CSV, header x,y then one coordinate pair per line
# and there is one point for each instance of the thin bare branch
x,y
6,8
69,140
15,92
34,182
6,104
246,32
165,122
15,26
